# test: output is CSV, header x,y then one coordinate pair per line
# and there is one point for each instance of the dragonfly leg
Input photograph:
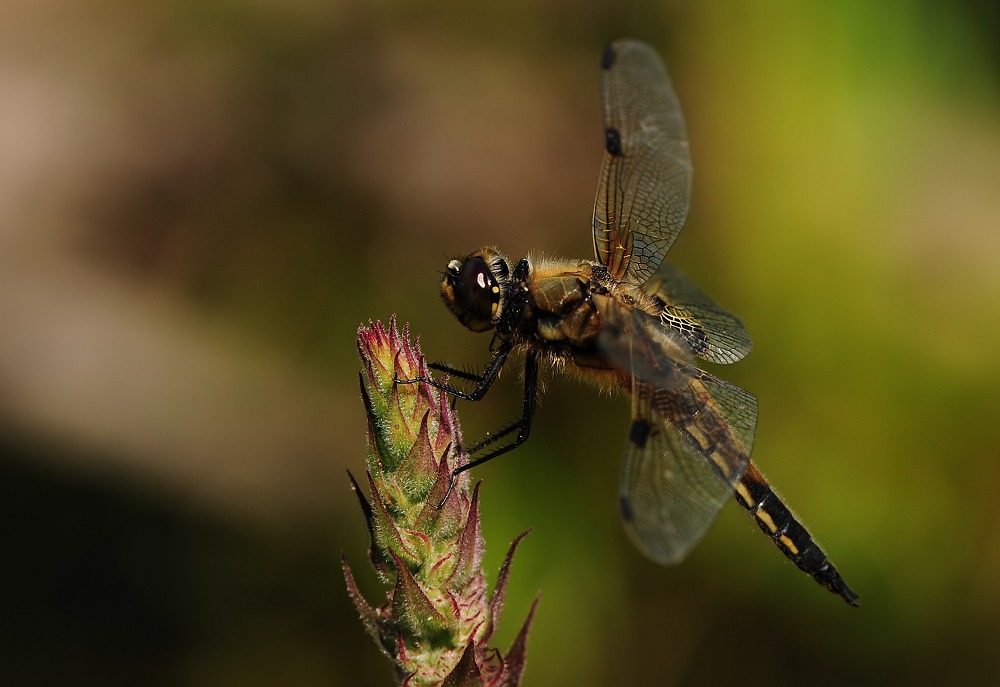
x,y
483,382
522,426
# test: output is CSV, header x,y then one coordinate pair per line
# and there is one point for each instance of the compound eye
x,y
476,289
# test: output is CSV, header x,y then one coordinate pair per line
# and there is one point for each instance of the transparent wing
x,y
644,188
667,503
689,445
713,333
723,410
691,435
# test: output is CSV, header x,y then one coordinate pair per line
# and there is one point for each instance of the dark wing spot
x,y
612,141
625,508
608,56
639,433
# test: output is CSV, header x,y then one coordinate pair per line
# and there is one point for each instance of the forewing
x,y
644,189
713,333
688,446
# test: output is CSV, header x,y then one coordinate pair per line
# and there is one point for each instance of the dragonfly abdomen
x,y
789,535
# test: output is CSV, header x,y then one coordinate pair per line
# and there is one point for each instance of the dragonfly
x,y
631,321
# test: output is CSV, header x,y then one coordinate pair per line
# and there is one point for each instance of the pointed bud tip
x,y
500,591
517,654
470,546
466,672
368,615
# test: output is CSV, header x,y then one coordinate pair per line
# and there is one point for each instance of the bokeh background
x,y
200,202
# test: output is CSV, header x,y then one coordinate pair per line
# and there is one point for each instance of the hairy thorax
x,y
573,310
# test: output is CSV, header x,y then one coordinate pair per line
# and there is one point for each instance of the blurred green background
x,y
200,202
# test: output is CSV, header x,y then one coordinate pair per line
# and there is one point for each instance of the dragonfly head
x,y
474,289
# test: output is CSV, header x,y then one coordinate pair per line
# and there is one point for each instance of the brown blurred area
x,y
199,203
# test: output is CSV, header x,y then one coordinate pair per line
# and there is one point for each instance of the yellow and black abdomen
x,y
777,521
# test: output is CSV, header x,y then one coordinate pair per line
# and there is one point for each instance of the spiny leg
x,y
523,426
483,382
496,436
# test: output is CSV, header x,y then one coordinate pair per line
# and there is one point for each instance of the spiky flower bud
x,y
438,616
